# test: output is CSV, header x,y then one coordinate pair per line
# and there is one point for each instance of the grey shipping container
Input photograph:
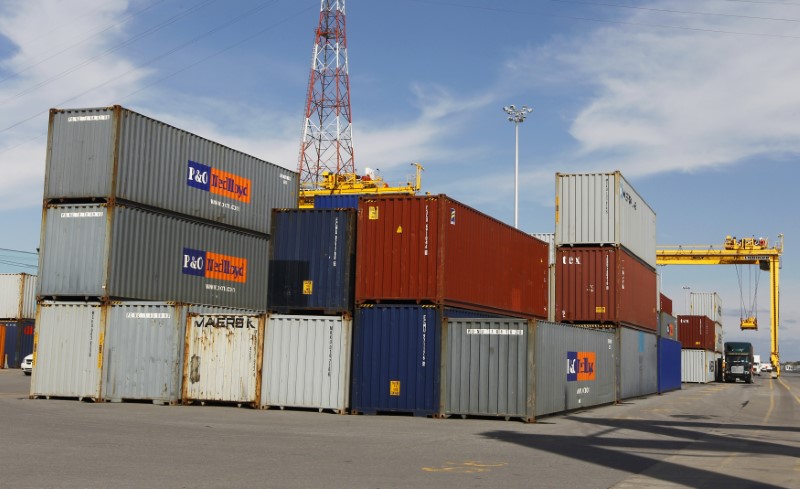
x,y
102,251
68,350
638,363
698,366
115,153
143,350
488,368
604,209
706,304
575,367
223,358
17,296
667,326
307,362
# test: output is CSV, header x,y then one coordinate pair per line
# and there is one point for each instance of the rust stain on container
x,y
447,254
605,285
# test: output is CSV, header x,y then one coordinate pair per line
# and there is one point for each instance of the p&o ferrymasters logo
x,y
218,182
214,265
580,365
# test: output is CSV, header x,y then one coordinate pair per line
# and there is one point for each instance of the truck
x,y
738,362
757,364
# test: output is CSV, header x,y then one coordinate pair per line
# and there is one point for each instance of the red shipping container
x,y
697,332
605,285
666,304
433,249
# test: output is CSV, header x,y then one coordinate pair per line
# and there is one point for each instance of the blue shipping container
x,y
336,202
312,261
396,357
18,342
669,365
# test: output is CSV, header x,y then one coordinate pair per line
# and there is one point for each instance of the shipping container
x,y
68,350
143,350
16,342
432,249
605,285
116,154
575,367
488,368
17,296
719,341
667,326
697,332
665,304
638,360
669,365
101,251
705,304
550,239
396,357
307,362
336,201
223,358
312,261
698,366
603,209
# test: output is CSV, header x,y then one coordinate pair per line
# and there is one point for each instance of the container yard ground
x,y
706,435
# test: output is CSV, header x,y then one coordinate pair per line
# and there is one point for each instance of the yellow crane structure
x,y
353,184
747,251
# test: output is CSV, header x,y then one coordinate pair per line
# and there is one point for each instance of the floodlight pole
x,y
517,116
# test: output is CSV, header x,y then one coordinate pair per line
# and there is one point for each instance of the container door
x,y
223,358
3,361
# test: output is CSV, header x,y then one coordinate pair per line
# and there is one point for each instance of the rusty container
x,y
665,304
435,250
697,332
606,285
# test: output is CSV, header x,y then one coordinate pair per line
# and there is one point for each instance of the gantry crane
x,y
747,251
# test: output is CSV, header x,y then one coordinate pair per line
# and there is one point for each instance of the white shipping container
x,y
68,350
223,358
17,296
719,341
307,362
604,209
706,304
698,366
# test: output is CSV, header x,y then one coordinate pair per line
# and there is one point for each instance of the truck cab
x,y
738,362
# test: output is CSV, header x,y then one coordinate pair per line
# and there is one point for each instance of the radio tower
x,y
327,144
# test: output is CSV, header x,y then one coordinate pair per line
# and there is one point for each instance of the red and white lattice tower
x,y
327,130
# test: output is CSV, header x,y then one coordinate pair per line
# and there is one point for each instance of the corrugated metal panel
x,y
669,365
638,363
605,284
130,253
697,366
3,360
575,367
223,358
488,367
550,239
603,209
312,261
668,326
307,362
696,332
437,250
115,153
336,201
143,354
706,304
68,351
18,342
17,296
719,340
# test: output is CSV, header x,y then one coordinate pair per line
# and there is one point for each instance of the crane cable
x,y
748,313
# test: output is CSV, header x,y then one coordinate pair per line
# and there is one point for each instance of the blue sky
x,y
696,102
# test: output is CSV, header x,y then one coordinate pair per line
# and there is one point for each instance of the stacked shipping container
x,y
605,269
137,210
700,338
17,311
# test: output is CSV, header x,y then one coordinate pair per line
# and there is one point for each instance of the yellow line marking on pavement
x,y
771,403
468,467
796,397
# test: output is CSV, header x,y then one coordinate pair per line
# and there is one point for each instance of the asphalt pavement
x,y
702,436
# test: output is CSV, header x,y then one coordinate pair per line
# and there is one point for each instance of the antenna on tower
x,y
327,145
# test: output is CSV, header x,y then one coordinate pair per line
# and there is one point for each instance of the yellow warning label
x,y
600,309
308,287
394,387
373,213
399,229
